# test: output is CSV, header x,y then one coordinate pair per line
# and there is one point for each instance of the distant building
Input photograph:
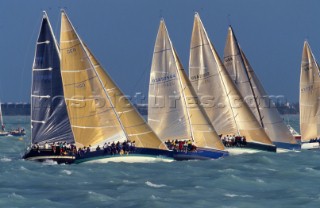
x,y
15,109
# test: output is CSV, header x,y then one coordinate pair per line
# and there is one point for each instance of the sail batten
x,y
171,110
309,95
109,110
49,118
252,90
226,109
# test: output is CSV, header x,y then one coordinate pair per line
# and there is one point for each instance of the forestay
x,y
134,125
173,111
49,117
219,96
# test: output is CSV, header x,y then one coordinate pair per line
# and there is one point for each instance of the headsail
x,y
173,111
135,126
226,110
253,92
100,112
309,96
92,115
49,118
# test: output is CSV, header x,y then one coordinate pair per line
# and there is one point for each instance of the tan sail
x,y
253,92
134,125
309,95
227,111
173,111
91,114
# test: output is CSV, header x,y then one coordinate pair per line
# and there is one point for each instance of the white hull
x,y
240,151
310,146
130,159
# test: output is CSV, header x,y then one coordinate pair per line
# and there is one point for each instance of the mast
x,y
247,74
309,95
234,115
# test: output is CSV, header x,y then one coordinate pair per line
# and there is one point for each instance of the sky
x,y
122,33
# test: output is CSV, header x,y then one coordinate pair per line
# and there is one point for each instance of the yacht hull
x,y
250,148
45,155
200,154
139,155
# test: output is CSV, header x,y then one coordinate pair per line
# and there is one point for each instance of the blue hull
x,y
44,155
200,154
101,154
263,147
287,146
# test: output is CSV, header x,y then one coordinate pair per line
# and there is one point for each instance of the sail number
x,y
71,50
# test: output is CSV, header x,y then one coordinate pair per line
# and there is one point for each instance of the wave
x,y
235,195
148,183
5,159
50,162
68,172
15,196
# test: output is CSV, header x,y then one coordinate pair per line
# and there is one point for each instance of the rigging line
x,y
142,78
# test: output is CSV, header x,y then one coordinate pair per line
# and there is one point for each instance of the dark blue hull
x,y
44,155
142,152
263,147
287,146
200,154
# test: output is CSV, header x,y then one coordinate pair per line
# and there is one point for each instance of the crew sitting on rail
x,y
233,141
181,145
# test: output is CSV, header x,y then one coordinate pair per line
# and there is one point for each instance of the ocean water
x,y
257,180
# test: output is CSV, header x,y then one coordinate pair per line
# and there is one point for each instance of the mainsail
x,y
219,96
253,92
173,111
309,96
49,118
99,111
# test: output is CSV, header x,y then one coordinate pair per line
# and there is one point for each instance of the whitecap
x,y
231,195
128,182
235,195
23,168
50,162
271,169
15,196
155,197
5,159
259,180
155,185
227,170
68,172
198,187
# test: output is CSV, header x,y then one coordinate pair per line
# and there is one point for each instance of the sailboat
x,y
219,96
255,96
173,112
99,112
3,131
309,100
50,123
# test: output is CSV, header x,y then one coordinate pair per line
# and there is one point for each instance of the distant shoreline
x,y
24,109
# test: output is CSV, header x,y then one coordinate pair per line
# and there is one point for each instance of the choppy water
x,y
257,180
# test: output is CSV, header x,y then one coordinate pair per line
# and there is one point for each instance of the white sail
x,y
226,109
253,92
173,112
309,96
